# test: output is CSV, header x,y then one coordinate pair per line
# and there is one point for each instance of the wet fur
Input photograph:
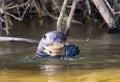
x,y
49,38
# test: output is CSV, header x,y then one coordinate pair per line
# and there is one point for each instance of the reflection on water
x,y
98,60
104,75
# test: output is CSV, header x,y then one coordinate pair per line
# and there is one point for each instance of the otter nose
x,y
60,41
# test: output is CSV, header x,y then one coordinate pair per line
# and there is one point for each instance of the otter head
x,y
50,39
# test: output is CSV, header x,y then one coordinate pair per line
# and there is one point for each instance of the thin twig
x,y
13,16
88,6
18,18
25,11
56,5
109,6
21,5
37,7
118,12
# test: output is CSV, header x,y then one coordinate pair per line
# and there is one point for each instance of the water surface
x,y
98,61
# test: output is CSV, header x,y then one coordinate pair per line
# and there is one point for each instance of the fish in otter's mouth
x,y
51,44
54,50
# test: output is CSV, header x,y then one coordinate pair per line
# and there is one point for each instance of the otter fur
x,y
51,38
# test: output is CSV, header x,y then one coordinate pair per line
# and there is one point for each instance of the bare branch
x,y
18,18
21,5
54,17
23,40
13,16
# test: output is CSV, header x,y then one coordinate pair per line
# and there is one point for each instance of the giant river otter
x,y
52,44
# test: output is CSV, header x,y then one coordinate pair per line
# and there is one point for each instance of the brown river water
x,y
98,61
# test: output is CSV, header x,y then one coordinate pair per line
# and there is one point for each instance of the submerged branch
x,y
13,39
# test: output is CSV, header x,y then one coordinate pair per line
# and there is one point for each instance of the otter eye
x,y
44,36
